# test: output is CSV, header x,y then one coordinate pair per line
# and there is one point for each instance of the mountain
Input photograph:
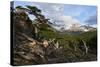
x,y
87,28
77,29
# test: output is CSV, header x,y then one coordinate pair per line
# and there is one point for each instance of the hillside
x,y
37,42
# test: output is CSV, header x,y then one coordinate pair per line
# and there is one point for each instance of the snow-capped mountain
x,y
87,28
79,28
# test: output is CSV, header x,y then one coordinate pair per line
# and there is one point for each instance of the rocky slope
x,y
29,46
38,43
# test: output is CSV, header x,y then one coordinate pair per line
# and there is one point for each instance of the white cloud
x,y
68,21
55,13
94,25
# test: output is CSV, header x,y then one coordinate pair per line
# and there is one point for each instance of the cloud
x,y
65,14
68,21
92,20
94,25
55,12
49,7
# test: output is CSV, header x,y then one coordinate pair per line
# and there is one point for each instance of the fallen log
x,y
85,46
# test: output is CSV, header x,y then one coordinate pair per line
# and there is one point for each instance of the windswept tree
x,y
36,12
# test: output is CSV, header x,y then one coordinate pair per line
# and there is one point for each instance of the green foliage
x,y
19,7
33,8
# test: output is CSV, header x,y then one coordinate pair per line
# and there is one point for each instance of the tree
x,y
36,12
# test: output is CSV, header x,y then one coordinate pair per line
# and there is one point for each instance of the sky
x,y
65,14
